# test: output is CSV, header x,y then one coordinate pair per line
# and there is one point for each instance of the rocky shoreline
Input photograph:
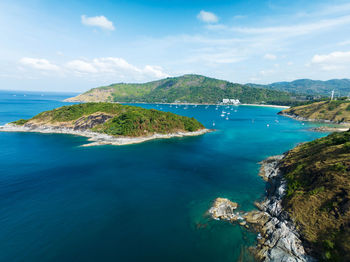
x,y
278,239
96,138
343,126
296,117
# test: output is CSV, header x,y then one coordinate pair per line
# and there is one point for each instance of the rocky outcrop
x,y
90,121
330,129
278,239
94,95
300,118
223,209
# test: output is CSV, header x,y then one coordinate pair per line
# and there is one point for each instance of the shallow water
x,y
144,202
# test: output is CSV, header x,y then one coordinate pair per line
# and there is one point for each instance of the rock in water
x,y
223,209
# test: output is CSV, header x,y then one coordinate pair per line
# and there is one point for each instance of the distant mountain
x,y
186,89
311,87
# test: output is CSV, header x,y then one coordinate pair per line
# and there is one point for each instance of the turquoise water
x,y
146,202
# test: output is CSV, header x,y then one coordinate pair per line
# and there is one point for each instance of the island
x,y
109,123
190,88
306,212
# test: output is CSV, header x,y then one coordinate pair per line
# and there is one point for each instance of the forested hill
x,y
311,87
187,88
113,119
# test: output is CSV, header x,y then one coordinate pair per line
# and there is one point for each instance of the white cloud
x,y
290,30
334,57
207,17
38,63
332,61
155,70
267,72
99,21
270,56
343,43
114,66
81,66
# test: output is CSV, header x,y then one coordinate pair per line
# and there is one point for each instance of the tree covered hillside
x,y
318,194
113,119
187,88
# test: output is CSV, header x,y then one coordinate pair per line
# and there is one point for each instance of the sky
x,y
75,45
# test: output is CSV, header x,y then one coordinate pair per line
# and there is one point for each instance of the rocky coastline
x,y
341,126
296,117
94,137
278,239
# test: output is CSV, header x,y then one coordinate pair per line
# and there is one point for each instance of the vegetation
x,y
187,88
318,194
311,87
20,122
114,119
335,111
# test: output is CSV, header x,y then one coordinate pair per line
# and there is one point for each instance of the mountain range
x,y
341,87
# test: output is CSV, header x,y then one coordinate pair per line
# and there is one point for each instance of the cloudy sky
x,y
74,45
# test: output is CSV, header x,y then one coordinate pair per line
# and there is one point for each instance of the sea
x,y
60,201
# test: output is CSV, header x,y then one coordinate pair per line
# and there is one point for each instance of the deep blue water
x,y
146,202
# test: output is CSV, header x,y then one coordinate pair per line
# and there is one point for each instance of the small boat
x,y
222,115
213,123
227,118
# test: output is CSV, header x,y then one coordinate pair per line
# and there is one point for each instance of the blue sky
x,y
76,45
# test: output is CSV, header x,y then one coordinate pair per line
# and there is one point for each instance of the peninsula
x,y
306,211
331,111
109,123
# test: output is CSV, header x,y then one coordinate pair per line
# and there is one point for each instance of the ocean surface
x,y
146,202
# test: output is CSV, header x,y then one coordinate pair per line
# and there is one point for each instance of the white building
x,y
230,101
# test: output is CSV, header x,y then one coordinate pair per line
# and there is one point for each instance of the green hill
x,y
318,194
187,88
311,87
337,111
113,119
